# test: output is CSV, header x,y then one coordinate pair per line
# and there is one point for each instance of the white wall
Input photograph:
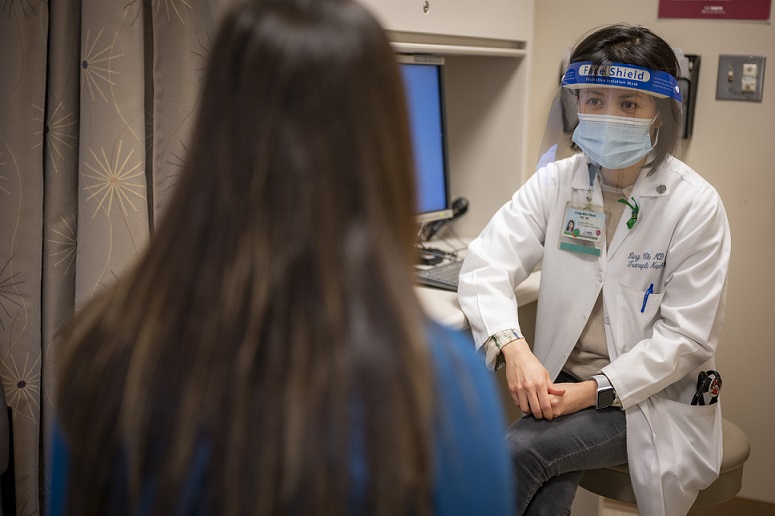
x,y
732,147
486,137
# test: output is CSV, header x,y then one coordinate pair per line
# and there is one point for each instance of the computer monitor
x,y
425,95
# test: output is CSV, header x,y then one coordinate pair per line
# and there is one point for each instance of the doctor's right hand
x,y
528,380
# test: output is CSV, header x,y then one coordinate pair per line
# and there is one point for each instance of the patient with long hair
x,y
267,354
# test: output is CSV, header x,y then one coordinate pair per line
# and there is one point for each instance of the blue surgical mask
x,y
613,142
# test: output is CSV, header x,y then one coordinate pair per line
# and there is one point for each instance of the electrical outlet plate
x,y
740,78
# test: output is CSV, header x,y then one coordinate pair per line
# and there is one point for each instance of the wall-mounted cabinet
x,y
487,44
499,24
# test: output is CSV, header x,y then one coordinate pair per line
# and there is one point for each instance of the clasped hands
x,y
534,392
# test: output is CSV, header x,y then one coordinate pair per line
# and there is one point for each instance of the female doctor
x,y
631,303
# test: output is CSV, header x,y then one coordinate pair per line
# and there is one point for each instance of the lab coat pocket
x,y
695,434
637,312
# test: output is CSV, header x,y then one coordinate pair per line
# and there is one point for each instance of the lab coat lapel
x,y
647,192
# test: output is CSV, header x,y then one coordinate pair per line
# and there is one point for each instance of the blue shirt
x,y
472,469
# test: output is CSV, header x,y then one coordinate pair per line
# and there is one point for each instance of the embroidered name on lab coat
x,y
646,260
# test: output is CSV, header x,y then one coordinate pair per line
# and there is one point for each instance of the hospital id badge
x,y
583,229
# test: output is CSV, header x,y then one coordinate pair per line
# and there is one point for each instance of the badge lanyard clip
x,y
594,170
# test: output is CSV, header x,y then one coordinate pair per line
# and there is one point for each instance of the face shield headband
x,y
617,75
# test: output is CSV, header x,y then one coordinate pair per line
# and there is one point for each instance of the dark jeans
x,y
550,456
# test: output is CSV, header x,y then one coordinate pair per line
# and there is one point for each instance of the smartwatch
x,y
605,392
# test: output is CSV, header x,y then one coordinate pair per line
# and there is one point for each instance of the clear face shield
x,y
621,117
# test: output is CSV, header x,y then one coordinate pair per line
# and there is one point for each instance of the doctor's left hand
x,y
578,396
528,380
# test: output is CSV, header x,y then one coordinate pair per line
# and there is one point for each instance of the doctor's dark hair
x,y
638,46
269,340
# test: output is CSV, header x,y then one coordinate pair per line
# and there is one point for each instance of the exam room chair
x,y
614,482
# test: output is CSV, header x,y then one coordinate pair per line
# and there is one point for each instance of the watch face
x,y
605,397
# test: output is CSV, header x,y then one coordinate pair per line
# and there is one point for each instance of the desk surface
x,y
442,305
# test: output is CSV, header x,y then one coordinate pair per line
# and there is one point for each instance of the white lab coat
x,y
681,245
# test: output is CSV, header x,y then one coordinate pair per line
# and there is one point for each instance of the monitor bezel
x,y
438,62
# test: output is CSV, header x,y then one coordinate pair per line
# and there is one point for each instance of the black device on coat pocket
x,y
708,383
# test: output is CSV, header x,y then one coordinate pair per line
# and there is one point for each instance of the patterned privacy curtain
x,y
97,102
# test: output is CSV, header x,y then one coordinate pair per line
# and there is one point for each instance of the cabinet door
x,y
510,20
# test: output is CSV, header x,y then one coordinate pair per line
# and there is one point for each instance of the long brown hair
x,y
270,331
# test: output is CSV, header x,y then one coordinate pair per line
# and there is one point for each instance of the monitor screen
x,y
424,91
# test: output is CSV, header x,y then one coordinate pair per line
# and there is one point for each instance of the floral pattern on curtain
x,y
97,102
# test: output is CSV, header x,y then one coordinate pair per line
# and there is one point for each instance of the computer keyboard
x,y
443,276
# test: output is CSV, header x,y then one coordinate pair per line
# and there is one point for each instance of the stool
x,y
614,482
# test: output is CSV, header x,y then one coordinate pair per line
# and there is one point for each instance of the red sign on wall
x,y
716,9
